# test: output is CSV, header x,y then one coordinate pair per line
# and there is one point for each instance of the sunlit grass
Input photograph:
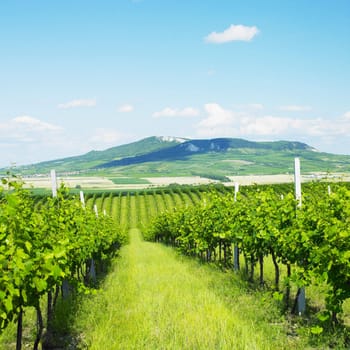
x,y
155,299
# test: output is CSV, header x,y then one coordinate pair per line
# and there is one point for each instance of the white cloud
x,y
264,126
127,108
223,122
166,112
295,108
346,115
233,33
171,112
217,116
31,123
25,139
78,103
188,112
23,129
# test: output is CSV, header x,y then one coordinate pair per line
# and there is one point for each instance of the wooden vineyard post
x,y
236,249
301,302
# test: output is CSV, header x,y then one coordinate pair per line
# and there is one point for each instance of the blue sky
x,y
77,75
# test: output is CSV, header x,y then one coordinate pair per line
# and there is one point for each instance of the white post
x,y
235,248
82,199
95,209
104,212
297,180
329,190
297,183
236,190
54,183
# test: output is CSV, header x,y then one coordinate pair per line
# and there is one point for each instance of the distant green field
x,y
129,181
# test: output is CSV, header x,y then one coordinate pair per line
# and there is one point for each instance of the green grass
x,y
156,299
129,181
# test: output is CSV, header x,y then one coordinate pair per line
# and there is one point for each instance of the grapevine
x,y
41,246
313,243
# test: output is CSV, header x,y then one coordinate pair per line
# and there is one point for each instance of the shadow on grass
x,y
63,335
312,330
321,332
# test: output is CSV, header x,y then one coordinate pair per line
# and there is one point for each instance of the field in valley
x,y
120,183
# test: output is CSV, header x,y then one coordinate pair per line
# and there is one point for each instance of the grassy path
x,y
155,299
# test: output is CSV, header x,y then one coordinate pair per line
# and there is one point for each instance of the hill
x,y
93,159
189,148
212,158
